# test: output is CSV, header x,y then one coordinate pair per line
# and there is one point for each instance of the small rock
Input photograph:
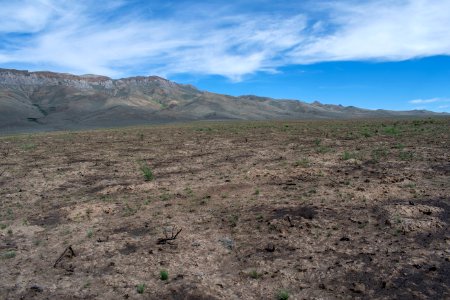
x,y
344,239
270,247
196,244
36,288
227,243
358,288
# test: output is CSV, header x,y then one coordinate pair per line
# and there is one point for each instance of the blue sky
x,y
392,54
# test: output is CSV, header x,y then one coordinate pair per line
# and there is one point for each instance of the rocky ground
x,y
267,210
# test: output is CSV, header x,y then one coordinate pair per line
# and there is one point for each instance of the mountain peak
x,y
47,100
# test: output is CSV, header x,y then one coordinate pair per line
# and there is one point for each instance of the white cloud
x,y
24,16
381,30
83,37
431,100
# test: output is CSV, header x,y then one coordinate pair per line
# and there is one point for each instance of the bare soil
x,y
320,210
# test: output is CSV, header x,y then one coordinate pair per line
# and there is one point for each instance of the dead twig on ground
x,y
172,237
69,251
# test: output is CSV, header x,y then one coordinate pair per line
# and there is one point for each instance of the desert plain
x,y
267,210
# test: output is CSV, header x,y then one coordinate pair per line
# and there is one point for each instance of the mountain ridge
x,y
46,100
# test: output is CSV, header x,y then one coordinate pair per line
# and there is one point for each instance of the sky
x,y
388,54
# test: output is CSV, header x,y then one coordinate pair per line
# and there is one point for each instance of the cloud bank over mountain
x,y
121,38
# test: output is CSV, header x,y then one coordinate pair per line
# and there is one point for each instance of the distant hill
x,y
32,101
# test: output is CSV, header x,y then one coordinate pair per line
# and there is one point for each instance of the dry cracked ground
x,y
267,210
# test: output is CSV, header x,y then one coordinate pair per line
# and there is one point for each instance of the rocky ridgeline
x,y
9,77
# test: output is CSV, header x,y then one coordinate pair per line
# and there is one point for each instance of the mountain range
x,y
35,101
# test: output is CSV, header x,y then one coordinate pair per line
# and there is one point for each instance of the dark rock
x,y
270,247
36,288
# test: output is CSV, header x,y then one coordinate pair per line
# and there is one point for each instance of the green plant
x,y
379,153
347,155
28,146
233,220
282,295
391,130
163,275
304,162
147,172
366,133
164,197
3,226
254,274
10,232
90,233
140,288
256,192
128,210
406,155
9,254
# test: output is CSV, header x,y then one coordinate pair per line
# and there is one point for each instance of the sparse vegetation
x,y
406,155
164,275
257,202
147,172
140,288
8,254
282,295
254,274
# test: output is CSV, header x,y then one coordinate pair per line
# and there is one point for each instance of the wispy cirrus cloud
x,y
431,100
231,40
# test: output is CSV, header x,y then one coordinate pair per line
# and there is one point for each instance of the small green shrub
x,y
9,254
379,153
282,295
304,163
90,233
391,130
233,219
147,172
347,155
254,274
140,288
406,155
163,275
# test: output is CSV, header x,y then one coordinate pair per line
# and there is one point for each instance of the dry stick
x,y
72,253
166,239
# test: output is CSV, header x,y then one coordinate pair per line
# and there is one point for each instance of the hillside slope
x,y
48,101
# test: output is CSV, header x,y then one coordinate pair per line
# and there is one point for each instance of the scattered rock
x,y
227,243
358,288
270,247
432,269
36,288
102,239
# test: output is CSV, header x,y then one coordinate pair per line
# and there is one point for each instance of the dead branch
x,y
172,237
68,250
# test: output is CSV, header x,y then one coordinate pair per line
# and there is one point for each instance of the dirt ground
x,y
267,210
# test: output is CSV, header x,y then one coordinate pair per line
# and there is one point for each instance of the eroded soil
x,y
321,210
